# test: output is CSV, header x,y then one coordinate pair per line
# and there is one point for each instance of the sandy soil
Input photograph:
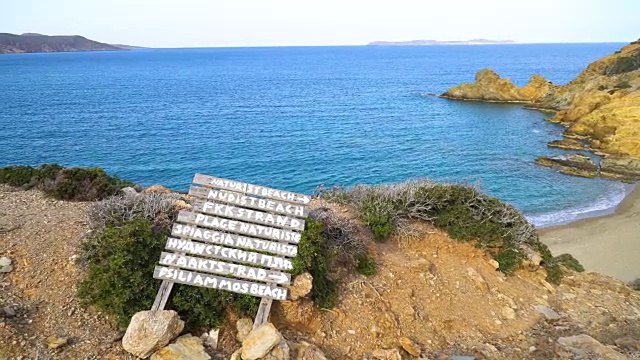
x,y
608,244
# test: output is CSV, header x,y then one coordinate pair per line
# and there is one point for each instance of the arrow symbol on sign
x,y
304,199
279,278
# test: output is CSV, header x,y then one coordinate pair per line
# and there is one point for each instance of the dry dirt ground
x,y
444,296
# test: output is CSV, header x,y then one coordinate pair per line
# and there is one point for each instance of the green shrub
x,y
119,281
568,261
18,176
316,256
624,64
365,265
623,84
81,184
462,211
635,284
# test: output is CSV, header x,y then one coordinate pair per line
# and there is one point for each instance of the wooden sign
x,y
250,189
232,212
238,237
231,254
232,240
231,197
223,268
238,227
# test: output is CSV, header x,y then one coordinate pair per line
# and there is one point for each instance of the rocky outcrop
x,y
489,86
571,164
601,105
584,345
568,144
620,168
150,331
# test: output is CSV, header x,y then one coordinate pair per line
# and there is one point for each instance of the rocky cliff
x,y
35,43
601,105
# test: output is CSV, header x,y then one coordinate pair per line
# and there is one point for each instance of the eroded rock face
x,y
150,331
489,86
620,168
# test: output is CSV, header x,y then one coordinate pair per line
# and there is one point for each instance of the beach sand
x,y
607,244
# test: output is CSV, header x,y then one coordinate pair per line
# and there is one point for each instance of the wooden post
x,y
162,296
263,312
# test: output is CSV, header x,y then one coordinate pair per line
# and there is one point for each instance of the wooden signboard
x,y
237,237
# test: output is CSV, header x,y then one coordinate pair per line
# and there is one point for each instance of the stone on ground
x,y
548,313
280,352
260,341
210,339
301,286
243,327
150,331
583,344
387,354
305,351
5,265
54,342
409,346
129,191
186,347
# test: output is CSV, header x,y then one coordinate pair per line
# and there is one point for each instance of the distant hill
x,y
437,42
36,43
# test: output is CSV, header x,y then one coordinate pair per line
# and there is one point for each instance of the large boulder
x,y
260,341
186,347
150,331
279,352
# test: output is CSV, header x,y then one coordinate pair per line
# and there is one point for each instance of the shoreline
x,y
608,244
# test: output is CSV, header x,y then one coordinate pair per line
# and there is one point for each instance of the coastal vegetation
x,y
79,184
462,211
128,232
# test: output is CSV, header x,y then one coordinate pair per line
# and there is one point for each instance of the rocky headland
x,y
37,43
601,106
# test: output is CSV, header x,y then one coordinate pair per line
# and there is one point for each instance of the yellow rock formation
x,y
601,104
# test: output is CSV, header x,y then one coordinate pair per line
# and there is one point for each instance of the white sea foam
x,y
603,205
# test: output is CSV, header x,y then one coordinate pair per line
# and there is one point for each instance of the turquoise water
x,y
297,117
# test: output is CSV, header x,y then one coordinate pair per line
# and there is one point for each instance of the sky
x,y
209,23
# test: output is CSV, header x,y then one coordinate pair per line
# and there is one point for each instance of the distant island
x,y
437,42
38,43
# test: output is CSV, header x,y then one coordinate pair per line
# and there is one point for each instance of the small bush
x,y
340,233
635,284
316,256
624,64
602,88
81,184
366,265
624,84
18,176
568,261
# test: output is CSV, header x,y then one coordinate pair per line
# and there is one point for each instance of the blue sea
x,y
297,117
